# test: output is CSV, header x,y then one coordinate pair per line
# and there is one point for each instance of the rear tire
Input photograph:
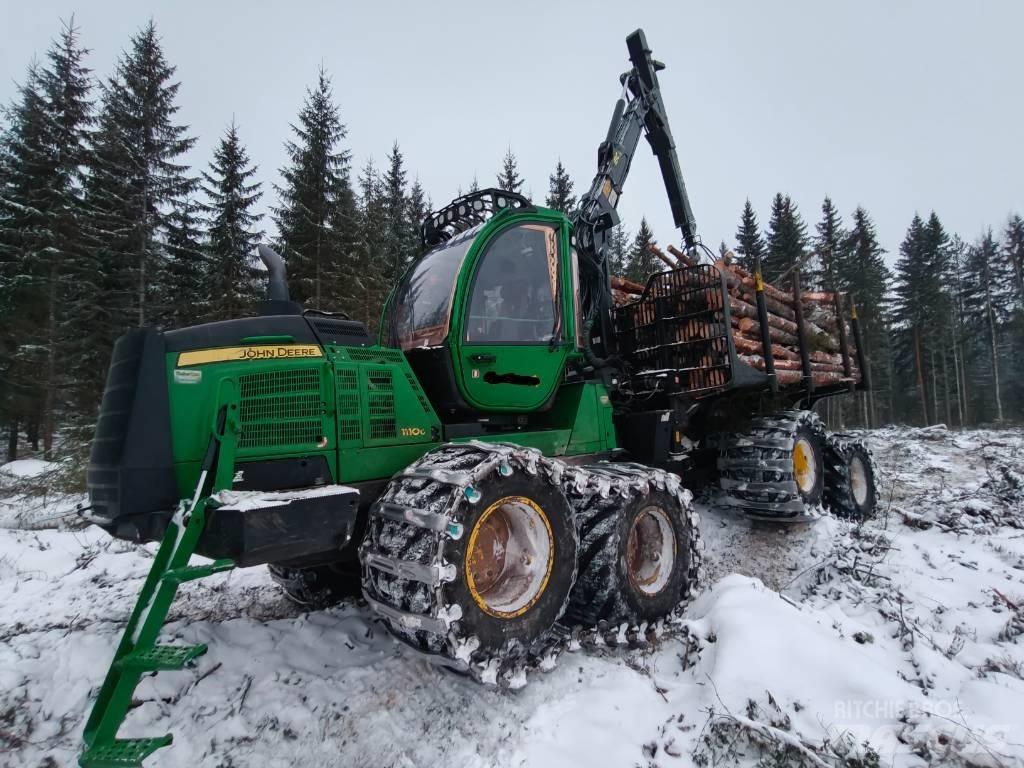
x,y
638,554
775,469
851,490
809,460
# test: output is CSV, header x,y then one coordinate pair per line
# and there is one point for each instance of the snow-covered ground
x,y
27,499
897,643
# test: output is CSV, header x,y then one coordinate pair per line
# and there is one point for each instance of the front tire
x,y
516,564
470,556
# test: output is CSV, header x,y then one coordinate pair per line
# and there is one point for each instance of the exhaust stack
x,y
278,301
277,280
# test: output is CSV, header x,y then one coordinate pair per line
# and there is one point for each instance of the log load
x,y
831,355
696,317
828,338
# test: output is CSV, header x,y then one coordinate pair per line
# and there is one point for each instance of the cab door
x,y
510,354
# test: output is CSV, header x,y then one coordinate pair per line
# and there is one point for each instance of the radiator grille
x,y
679,326
381,404
280,408
348,404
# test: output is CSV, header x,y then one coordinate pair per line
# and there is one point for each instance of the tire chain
x,y
421,511
838,496
762,456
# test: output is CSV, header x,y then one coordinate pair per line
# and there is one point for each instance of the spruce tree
x,y
44,152
560,196
749,243
367,289
958,340
316,215
232,237
786,241
419,209
67,84
861,270
926,306
827,245
135,183
395,238
137,177
189,289
1013,329
508,177
988,305
24,157
911,315
641,262
1013,247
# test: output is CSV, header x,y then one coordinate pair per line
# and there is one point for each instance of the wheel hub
x,y
858,480
650,551
509,557
805,469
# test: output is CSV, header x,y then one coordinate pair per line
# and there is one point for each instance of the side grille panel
x,y
349,430
380,395
281,408
421,396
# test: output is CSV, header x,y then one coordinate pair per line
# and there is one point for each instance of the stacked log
x,y
822,332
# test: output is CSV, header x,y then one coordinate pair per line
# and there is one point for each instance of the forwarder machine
x,y
501,465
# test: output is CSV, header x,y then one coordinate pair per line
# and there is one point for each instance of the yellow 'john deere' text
x,y
254,352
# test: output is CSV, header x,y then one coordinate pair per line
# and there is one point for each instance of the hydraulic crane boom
x,y
640,109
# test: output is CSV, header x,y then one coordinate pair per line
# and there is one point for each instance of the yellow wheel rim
x,y
805,470
509,556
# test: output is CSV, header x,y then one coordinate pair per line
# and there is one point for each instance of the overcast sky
x,y
897,106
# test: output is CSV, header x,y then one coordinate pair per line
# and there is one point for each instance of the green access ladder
x,y
138,653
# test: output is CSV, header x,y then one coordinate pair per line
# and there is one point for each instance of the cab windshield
x,y
421,306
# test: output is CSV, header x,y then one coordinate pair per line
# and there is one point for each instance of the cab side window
x,y
513,298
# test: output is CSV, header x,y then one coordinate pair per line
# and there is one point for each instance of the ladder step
x,y
193,572
122,753
161,658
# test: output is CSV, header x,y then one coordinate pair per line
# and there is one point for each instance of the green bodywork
x,y
365,412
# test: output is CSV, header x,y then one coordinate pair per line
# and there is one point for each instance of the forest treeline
x,y
104,226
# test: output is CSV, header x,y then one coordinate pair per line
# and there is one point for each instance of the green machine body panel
x,y
344,403
360,408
